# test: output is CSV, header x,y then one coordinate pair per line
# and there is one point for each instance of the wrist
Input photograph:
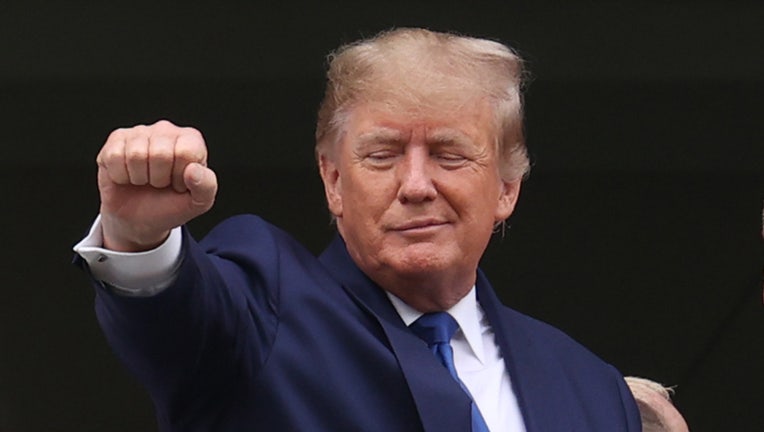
x,y
117,237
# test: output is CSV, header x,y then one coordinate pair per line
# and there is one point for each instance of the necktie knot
x,y
435,328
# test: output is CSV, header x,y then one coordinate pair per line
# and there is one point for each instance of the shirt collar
x,y
466,312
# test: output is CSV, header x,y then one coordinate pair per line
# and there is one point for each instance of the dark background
x,y
638,231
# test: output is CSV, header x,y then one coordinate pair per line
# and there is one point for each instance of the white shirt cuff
x,y
140,274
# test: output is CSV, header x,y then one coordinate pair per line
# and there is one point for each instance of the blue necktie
x,y
436,329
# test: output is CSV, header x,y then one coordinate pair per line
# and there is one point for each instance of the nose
x,y
416,182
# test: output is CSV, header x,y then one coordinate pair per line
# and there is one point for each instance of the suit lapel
x,y
426,377
530,384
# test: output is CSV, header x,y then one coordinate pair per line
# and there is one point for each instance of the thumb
x,y
202,184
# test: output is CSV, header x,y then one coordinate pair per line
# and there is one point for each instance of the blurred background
x,y
638,231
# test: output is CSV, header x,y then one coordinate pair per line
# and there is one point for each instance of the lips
x,y
419,224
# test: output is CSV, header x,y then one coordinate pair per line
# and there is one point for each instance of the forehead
x,y
374,121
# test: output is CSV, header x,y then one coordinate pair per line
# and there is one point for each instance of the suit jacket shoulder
x,y
560,384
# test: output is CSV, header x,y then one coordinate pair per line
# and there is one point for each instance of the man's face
x,y
416,196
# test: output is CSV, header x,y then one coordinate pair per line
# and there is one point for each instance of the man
x,y
420,148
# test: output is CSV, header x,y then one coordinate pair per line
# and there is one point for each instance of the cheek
x,y
363,210
473,198
370,194
477,209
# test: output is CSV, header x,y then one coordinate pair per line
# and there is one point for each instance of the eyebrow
x,y
448,136
380,135
385,135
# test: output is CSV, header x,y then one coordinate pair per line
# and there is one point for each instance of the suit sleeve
x,y
213,328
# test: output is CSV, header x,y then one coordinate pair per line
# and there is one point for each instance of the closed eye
x,y
382,154
381,159
449,160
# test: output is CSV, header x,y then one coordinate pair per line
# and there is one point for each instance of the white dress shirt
x,y
477,357
478,362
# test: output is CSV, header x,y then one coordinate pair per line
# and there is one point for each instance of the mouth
x,y
419,225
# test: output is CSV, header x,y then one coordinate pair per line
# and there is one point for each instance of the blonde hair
x,y
655,408
426,70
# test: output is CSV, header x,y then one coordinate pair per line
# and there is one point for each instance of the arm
x,y
200,342
177,341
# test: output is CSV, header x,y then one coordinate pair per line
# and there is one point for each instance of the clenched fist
x,y
152,179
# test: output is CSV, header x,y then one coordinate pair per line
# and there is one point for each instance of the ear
x,y
510,191
332,184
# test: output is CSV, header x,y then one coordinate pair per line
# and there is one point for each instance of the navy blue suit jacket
x,y
258,334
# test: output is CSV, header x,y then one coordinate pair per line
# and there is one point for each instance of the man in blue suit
x,y
393,328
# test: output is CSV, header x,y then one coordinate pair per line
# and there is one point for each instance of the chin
x,y
423,260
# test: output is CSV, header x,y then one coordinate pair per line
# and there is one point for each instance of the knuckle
x,y
136,131
191,138
192,132
164,124
116,135
110,156
191,153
